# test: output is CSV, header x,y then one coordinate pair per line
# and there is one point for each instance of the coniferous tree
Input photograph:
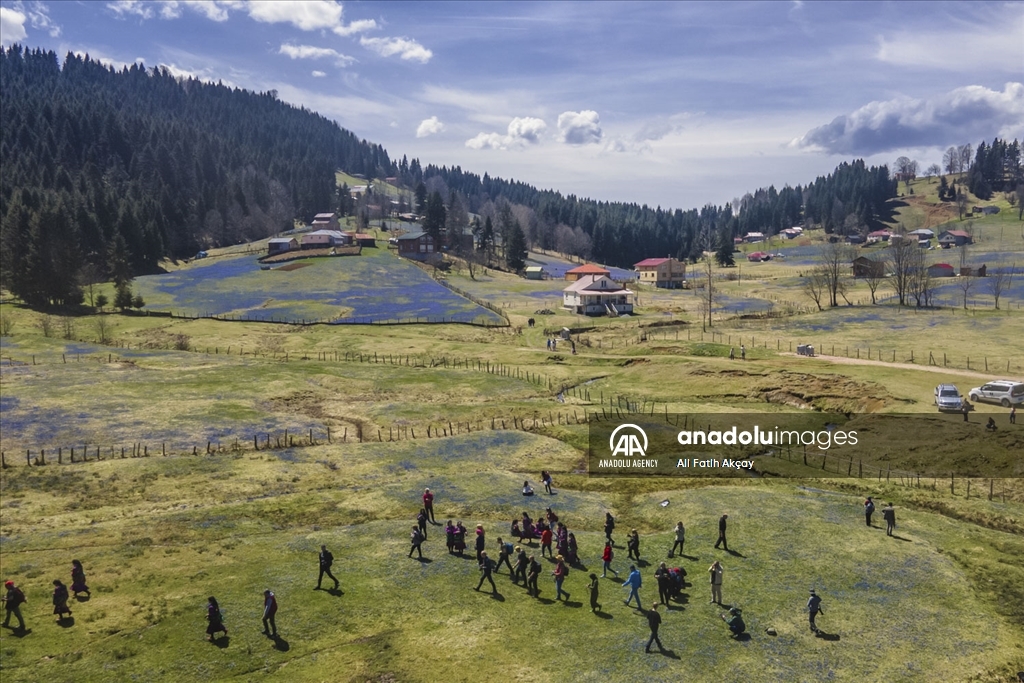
x,y
515,250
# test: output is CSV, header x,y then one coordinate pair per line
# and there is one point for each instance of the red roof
x,y
756,255
879,233
589,269
650,263
943,265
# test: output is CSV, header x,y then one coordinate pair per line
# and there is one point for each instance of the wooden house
x,y
662,272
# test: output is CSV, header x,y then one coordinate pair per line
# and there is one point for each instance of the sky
x,y
667,104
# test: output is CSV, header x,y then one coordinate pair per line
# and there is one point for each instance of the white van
x,y
1005,392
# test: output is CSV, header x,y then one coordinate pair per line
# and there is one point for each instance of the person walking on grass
x,y
421,522
889,515
60,600
13,601
486,567
428,505
813,608
633,544
460,538
531,579
743,352
680,538
606,557
504,551
716,570
654,621
609,527
78,579
545,477
215,620
269,613
633,581
416,541
545,542
721,533
326,560
869,509
594,588
522,565
664,583
561,573
449,536
481,541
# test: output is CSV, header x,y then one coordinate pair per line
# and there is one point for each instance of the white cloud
x,y
355,27
973,112
579,127
213,11
311,52
429,127
170,10
406,48
12,26
319,74
39,16
124,8
995,49
307,15
521,131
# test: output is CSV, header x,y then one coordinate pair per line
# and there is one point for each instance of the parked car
x,y
1005,392
947,398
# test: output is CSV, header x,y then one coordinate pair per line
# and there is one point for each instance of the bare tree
x,y
706,242
921,286
906,166
815,285
961,202
963,256
965,152
965,283
933,171
902,259
67,326
104,329
876,275
951,160
834,261
999,280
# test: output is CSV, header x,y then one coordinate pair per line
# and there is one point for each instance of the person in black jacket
x,y
654,621
664,583
416,539
326,560
721,533
531,578
522,564
609,527
889,515
12,604
869,509
486,567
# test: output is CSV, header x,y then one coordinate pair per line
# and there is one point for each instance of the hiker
x,y
633,544
522,564
428,505
460,538
609,527
680,533
326,560
594,588
481,541
486,567
607,557
560,574
270,611
716,571
571,550
416,539
654,621
664,583
546,478
869,509
734,621
504,550
531,578
743,352
889,515
633,581
215,619
60,600
13,601
449,536
721,533
527,489
813,607
78,579
990,426
421,522
545,542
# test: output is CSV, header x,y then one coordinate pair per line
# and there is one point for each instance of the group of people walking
x,y
14,597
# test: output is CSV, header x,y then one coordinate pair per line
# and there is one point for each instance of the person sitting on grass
x,y
527,489
990,425
734,621
516,532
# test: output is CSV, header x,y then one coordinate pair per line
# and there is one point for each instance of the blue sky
x,y
670,104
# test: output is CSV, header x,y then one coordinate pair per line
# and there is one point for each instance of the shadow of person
x,y
82,598
900,538
280,643
743,637
669,653
221,642
827,636
689,557
603,615
336,592
643,563
498,596
66,622
424,560
545,601
674,608
574,604
735,553
20,632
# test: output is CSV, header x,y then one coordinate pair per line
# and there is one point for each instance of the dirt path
x,y
902,366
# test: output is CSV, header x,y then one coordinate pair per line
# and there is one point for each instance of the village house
x,y
941,270
954,238
322,239
662,272
791,233
325,221
279,245
416,245
597,295
361,238
586,269
855,239
754,237
967,271
865,267
758,256
534,273
879,236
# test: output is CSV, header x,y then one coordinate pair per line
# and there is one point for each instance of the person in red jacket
x,y
545,542
606,557
428,505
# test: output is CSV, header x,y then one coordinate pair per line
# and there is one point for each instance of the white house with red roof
x,y
662,272
597,295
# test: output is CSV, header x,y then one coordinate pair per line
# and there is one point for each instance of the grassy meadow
x,y
471,412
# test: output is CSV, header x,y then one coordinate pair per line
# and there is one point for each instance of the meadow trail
x,y
902,366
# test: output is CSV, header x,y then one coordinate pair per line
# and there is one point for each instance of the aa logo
x,y
627,443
